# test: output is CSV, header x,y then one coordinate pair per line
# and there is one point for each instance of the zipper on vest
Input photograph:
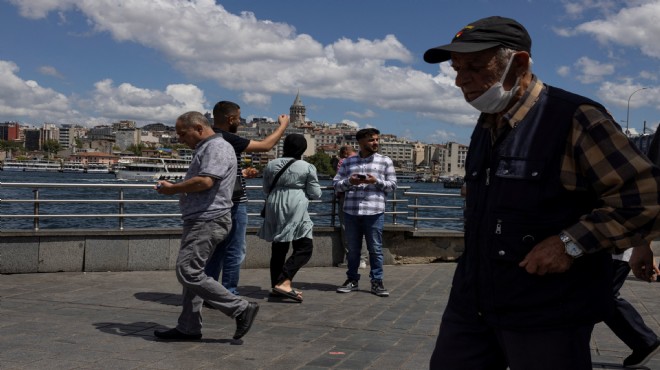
x,y
487,176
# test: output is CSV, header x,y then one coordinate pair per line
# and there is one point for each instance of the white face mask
x,y
495,99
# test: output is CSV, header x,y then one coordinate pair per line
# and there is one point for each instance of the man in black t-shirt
x,y
230,253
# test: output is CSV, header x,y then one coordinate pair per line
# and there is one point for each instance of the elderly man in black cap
x,y
553,187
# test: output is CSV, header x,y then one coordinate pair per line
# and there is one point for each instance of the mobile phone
x,y
362,177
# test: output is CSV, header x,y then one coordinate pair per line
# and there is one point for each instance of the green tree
x,y
51,146
11,146
321,161
136,148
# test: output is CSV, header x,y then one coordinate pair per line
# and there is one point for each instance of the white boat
x,y
73,167
153,169
406,176
43,166
13,166
96,167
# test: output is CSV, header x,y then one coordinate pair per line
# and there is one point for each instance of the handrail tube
x,y
121,202
95,215
426,194
89,201
435,207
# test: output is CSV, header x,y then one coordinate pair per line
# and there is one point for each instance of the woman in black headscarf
x,y
286,219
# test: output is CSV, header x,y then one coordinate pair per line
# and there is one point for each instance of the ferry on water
x,y
13,166
73,167
31,166
43,166
96,167
152,169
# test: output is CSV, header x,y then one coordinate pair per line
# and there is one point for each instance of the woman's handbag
x,y
272,186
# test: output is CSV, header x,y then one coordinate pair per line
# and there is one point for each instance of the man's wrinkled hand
x,y
547,257
642,263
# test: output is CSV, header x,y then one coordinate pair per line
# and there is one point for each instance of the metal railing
x,y
418,208
395,203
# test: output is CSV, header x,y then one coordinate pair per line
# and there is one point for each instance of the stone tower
x,y
297,112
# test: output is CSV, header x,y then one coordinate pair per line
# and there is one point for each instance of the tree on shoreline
x,y
51,146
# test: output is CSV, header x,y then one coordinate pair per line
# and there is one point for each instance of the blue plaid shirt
x,y
365,199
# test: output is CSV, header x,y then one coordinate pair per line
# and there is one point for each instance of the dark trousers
x,y
281,270
472,344
625,322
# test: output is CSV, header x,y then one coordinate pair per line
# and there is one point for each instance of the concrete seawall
x,y
156,249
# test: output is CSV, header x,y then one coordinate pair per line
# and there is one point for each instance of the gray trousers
x,y
197,244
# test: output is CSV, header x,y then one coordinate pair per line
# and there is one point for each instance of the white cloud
x,y
346,51
350,123
648,75
256,99
442,136
576,9
564,71
636,26
591,71
50,71
619,94
259,58
126,100
26,98
366,114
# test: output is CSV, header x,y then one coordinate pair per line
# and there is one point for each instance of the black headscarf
x,y
294,146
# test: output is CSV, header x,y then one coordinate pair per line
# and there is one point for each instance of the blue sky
x,y
93,62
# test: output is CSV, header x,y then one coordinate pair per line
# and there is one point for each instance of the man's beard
x,y
233,128
370,150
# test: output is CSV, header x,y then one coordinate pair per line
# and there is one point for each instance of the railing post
x,y
416,213
36,209
334,208
121,209
394,207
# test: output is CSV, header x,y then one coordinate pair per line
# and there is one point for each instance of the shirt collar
x,y
519,110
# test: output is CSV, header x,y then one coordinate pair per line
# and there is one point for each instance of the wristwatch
x,y
571,248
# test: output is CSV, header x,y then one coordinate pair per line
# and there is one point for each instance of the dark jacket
x,y
515,200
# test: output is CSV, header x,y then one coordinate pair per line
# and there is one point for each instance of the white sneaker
x,y
363,264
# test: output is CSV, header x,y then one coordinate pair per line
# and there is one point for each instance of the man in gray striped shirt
x,y
365,179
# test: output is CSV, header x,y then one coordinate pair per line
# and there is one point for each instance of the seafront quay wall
x,y
156,249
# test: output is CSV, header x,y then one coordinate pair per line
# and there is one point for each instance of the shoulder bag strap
x,y
277,176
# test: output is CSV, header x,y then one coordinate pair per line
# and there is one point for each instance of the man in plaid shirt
x,y
365,179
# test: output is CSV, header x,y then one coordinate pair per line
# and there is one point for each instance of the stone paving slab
x,y
105,320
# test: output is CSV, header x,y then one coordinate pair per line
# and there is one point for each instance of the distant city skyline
x,y
95,62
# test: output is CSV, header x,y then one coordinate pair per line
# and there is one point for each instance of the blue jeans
x,y
230,253
371,229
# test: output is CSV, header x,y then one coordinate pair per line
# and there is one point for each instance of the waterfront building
x,y
101,132
124,125
87,157
430,160
32,139
9,131
49,131
124,138
452,159
69,133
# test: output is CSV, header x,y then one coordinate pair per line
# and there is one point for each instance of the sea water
x,y
171,208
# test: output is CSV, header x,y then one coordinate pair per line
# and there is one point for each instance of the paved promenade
x,y
106,321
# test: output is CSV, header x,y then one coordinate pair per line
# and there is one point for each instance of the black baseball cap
x,y
483,34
